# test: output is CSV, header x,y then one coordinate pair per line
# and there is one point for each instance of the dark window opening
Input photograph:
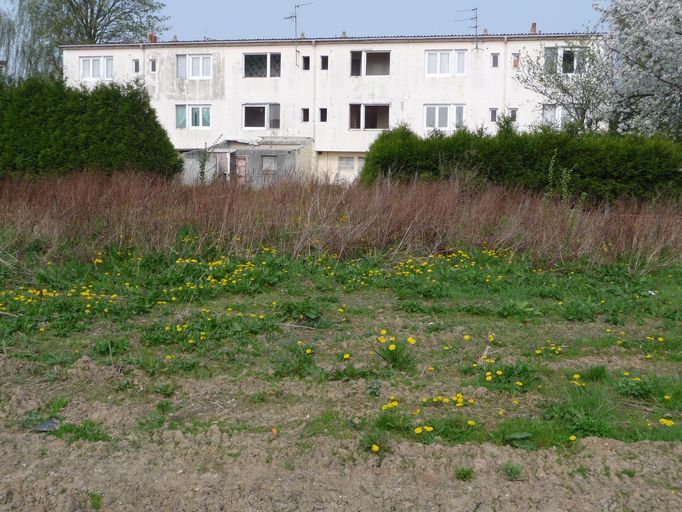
x,y
324,63
254,117
255,66
323,115
275,64
376,117
355,63
305,115
274,115
306,63
378,63
568,61
355,117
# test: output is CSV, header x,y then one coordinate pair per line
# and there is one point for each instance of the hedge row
x,y
47,127
602,165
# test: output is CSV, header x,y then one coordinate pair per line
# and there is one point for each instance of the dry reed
x,y
85,213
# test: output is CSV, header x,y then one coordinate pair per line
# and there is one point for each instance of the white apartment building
x,y
317,104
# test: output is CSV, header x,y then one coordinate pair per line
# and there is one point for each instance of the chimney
x,y
485,32
343,34
534,28
152,38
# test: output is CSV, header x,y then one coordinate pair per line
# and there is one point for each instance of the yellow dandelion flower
x,y
666,397
428,428
576,376
471,423
491,338
391,347
309,351
418,430
466,337
375,448
572,438
411,340
346,356
499,372
383,332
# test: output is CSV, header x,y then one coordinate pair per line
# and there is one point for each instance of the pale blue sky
x,y
230,19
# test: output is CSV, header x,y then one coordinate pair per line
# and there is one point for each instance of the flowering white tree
x,y
645,41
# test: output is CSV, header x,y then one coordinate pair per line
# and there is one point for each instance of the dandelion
x,y
383,332
309,351
445,347
666,422
391,347
576,376
418,430
572,438
502,412
491,338
346,356
499,372
466,337
648,356
471,423
381,339
411,340
519,383
666,397
375,448
489,378
428,428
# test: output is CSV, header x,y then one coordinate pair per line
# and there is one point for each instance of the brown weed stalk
x,y
86,213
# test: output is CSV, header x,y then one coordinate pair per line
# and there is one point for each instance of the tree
x,y
579,84
645,41
40,26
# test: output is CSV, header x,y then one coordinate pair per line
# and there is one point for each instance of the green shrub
x,y
47,127
601,165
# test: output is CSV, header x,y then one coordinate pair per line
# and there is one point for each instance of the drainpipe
x,y
313,113
505,75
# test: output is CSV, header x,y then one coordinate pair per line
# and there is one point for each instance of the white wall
x,y
406,90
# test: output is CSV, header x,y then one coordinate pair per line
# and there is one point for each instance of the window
x,y
495,60
136,65
493,115
97,68
323,115
199,116
516,60
200,67
306,63
551,59
263,65
443,117
513,114
437,116
549,113
152,65
269,164
324,62
369,117
364,63
262,116
445,62
568,61
305,115
438,63
346,163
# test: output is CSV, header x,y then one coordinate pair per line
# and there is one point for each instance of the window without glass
x,y
549,113
324,62
568,61
513,113
376,117
355,63
495,60
378,63
136,65
305,115
493,115
323,115
262,116
262,65
355,116
306,63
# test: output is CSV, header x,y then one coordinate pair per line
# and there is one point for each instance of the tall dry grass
x,y
85,213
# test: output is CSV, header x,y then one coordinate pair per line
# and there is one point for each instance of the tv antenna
x,y
474,18
294,18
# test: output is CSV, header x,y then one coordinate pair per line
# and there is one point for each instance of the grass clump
x,y
512,471
464,474
86,431
587,411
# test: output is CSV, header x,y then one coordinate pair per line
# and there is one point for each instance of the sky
x,y
233,19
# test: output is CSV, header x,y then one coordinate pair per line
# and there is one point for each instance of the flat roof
x,y
336,39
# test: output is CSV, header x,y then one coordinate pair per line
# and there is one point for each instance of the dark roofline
x,y
340,40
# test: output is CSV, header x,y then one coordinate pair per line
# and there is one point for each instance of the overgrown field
x,y
250,378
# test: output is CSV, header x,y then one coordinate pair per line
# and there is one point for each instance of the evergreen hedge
x,y
47,127
602,165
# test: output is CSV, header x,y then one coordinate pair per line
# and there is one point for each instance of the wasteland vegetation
x,y
392,315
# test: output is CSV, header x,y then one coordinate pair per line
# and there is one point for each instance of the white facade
x,y
202,91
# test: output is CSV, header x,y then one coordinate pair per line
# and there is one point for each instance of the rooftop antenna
x,y
294,18
474,18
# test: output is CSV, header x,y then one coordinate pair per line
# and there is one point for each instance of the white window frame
x,y
268,73
153,65
136,66
515,111
490,114
267,116
202,71
493,64
188,116
102,63
362,117
543,117
452,116
363,63
454,58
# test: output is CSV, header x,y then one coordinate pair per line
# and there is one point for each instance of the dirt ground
x,y
240,468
